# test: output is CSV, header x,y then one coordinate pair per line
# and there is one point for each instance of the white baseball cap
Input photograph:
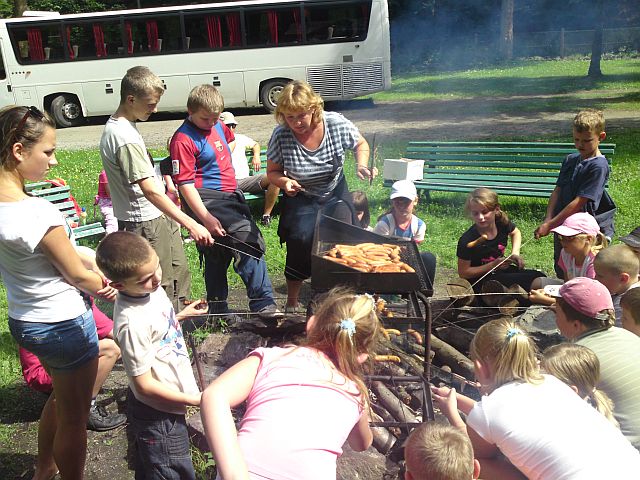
x,y
228,118
404,189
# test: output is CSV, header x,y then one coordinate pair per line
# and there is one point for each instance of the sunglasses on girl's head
x,y
37,114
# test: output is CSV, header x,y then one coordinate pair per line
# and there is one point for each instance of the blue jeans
x,y
253,273
65,345
162,443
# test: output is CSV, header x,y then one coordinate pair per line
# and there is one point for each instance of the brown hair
x,y
618,259
205,97
140,81
605,319
589,120
631,301
489,200
330,337
577,365
435,451
361,204
120,254
299,96
509,352
14,130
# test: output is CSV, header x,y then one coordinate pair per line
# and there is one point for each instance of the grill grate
x,y
326,274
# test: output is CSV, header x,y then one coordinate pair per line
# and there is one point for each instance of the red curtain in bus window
x,y
34,38
152,35
69,48
129,33
214,32
296,19
233,24
272,20
98,37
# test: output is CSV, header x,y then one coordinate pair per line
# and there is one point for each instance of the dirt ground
x,y
453,120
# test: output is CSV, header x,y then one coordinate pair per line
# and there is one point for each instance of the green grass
x,y
530,81
566,80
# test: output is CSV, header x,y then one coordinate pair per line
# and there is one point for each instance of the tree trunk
x,y
596,46
19,6
506,30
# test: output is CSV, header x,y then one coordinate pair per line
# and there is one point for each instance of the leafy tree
x,y
506,30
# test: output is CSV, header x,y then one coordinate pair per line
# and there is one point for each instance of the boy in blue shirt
x,y
581,182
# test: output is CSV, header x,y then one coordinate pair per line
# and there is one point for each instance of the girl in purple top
x,y
303,402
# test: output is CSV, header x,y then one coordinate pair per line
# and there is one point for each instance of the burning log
x,y
393,404
446,354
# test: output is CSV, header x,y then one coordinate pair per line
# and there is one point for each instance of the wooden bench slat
x,y
527,169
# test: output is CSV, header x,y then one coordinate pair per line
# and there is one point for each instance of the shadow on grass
x,y
20,404
16,465
510,86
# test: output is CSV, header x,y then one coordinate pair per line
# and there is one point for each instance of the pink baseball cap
x,y
586,295
576,224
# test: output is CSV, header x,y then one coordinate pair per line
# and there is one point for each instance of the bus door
x,y
6,91
230,85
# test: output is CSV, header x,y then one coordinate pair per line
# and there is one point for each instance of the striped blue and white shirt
x,y
318,171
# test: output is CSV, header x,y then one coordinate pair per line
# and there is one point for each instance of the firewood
x,y
383,440
392,404
446,354
390,348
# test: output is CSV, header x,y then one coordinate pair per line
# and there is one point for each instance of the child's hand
x,y
445,397
538,296
197,307
542,231
518,261
107,293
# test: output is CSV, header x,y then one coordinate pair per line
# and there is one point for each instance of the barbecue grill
x,y
326,274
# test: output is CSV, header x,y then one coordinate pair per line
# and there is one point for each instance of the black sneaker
x,y
270,312
266,220
100,420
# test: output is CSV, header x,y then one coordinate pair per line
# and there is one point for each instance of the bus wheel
x,y
270,92
66,111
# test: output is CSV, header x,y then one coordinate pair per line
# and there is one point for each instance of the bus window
x,y
99,39
154,34
211,31
3,71
349,21
273,27
41,43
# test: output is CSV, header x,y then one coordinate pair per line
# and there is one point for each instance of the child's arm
x,y
550,221
194,201
152,388
516,242
538,297
255,149
152,192
168,182
361,437
225,392
465,270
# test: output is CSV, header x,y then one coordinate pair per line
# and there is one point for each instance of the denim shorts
x,y
162,443
65,345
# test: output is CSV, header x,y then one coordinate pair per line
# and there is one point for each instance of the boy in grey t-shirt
x,y
154,354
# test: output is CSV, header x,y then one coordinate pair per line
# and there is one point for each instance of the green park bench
x,y
61,198
526,169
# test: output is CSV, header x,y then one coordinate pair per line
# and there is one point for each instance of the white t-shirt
x,y
36,291
239,155
150,338
549,433
387,226
125,160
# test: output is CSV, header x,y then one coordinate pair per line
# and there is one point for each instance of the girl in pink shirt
x,y
103,200
303,402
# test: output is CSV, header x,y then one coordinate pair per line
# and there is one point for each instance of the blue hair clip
x,y
349,326
513,331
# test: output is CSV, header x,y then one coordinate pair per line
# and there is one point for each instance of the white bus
x,y
71,65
